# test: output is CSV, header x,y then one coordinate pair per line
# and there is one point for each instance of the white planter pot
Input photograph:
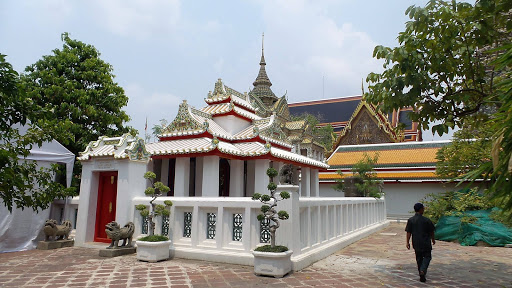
x,y
153,251
272,264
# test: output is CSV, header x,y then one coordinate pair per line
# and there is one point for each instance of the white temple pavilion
x,y
214,159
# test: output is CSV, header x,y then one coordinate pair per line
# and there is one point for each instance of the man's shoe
x,y
422,277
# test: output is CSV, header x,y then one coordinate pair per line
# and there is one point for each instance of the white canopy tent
x,y
21,229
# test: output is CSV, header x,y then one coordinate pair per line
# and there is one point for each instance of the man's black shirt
x,y
421,229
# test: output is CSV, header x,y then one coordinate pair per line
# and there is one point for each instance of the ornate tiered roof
x,y
232,125
198,131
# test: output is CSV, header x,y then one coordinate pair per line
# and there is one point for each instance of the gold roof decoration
x,y
184,123
359,130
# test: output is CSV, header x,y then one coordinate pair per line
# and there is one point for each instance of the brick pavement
x,y
380,260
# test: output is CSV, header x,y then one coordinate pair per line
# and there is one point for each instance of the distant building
x,y
407,169
340,112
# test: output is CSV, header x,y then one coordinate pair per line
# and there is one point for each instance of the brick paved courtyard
x,y
380,260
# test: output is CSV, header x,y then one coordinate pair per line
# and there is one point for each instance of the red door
x,y
106,207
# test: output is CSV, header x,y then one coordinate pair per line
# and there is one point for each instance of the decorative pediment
x,y
274,130
184,121
368,126
261,109
281,108
137,151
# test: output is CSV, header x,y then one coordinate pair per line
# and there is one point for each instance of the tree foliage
x,y
371,186
75,84
268,210
156,190
469,149
454,65
442,66
23,184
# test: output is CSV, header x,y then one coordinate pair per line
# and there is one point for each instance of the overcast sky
x,y
165,51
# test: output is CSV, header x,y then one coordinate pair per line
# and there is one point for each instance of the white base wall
x,y
400,197
326,190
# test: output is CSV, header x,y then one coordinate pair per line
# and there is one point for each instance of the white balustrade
x,y
226,229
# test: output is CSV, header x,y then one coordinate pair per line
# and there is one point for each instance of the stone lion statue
x,y
116,233
53,232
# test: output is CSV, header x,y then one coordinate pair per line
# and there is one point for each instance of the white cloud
x,y
139,18
315,47
218,65
153,106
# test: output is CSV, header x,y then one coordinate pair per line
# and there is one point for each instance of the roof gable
x,y
366,126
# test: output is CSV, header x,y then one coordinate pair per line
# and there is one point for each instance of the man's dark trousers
x,y
423,260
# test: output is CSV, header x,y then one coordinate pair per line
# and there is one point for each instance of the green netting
x,y
450,228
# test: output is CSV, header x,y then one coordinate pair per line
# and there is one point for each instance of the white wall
x,y
326,190
130,183
400,197
231,123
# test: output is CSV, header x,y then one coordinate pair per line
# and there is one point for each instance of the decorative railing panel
x,y
165,225
265,231
187,224
144,225
237,227
211,225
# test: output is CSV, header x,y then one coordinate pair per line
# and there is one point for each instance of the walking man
x,y
422,231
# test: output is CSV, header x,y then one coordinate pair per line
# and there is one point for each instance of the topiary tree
x,y
270,213
157,189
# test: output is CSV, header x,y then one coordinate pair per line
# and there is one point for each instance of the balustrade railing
x,y
231,224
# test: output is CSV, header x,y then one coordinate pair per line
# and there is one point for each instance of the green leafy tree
x,y
469,149
442,66
269,212
159,128
23,184
500,168
77,86
156,190
370,185
453,65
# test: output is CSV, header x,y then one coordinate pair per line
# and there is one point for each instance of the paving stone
x,y
380,260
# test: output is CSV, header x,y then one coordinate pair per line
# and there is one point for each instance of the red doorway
x,y
106,206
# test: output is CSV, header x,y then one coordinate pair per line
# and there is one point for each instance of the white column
x,y
199,176
182,177
261,179
236,178
164,178
305,182
289,232
87,205
315,184
250,178
210,185
130,184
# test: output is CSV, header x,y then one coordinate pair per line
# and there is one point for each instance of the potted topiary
x,y
272,260
153,248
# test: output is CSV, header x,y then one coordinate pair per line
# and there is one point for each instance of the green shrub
x,y
154,238
499,216
453,203
269,248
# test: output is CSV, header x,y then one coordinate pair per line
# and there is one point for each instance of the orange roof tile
x,y
390,155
